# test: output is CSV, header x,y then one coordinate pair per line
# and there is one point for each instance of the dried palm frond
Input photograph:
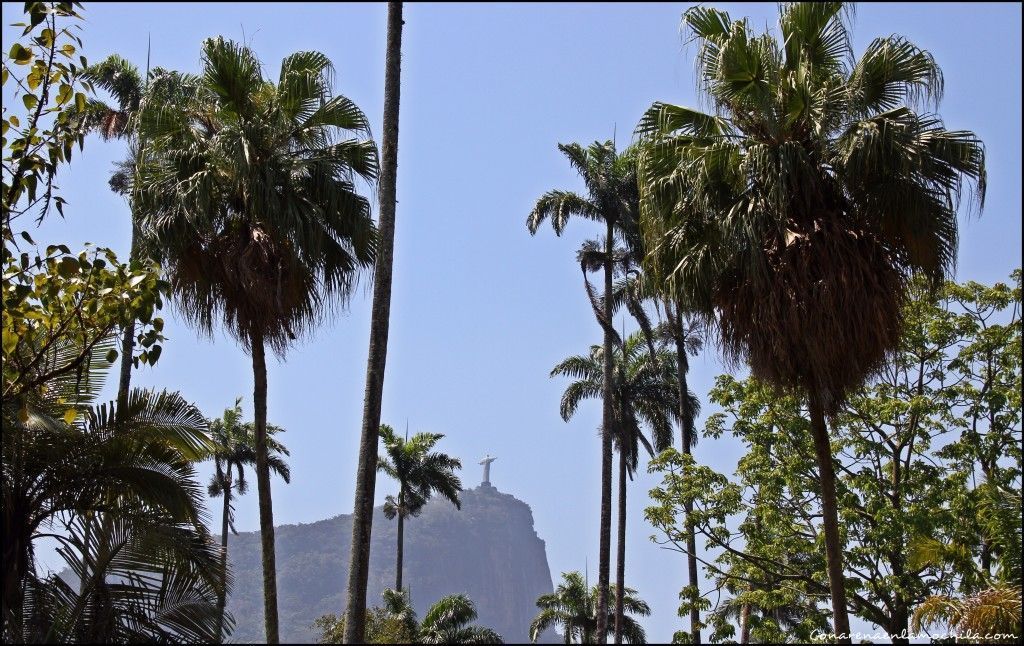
x,y
822,314
978,618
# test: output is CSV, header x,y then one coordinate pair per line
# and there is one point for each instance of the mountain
x,y
487,550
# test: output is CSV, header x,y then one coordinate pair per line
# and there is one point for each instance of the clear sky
x,y
480,310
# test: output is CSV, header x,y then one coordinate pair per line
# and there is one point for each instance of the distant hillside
x,y
488,550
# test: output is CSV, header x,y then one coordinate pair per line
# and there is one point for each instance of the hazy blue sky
x,y
481,311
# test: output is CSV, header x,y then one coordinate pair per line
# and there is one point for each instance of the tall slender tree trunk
x,y
401,545
675,317
222,595
604,544
830,518
745,623
127,350
124,383
899,623
366,475
259,398
620,566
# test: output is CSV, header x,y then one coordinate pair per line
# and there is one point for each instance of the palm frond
x,y
558,206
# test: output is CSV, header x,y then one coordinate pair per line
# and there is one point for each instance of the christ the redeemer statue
x,y
487,469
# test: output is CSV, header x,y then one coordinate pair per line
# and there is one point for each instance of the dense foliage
x,y
113,484
573,608
448,621
796,215
929,487
246,192
807,225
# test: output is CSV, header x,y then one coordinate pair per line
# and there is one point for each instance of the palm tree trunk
x,y
620,569
127,349
830,519
366,475
899,624
604,544
222,595
123,388
127,343
686,417
401,539
745,623
259,368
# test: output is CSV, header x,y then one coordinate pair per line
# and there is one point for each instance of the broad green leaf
x,y
64,94
10,341
20,55
68,267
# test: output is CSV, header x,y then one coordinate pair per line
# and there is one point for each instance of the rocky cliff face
x,y
488,550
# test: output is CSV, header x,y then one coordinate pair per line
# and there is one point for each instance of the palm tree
x,y
631,290
569,607
129,91
611,198
380,317
573,607
794,620
798,212
420,474
145,573
995,610
399,608
447,622
247,193
120,79
645,393
393,623
234,449
120,481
